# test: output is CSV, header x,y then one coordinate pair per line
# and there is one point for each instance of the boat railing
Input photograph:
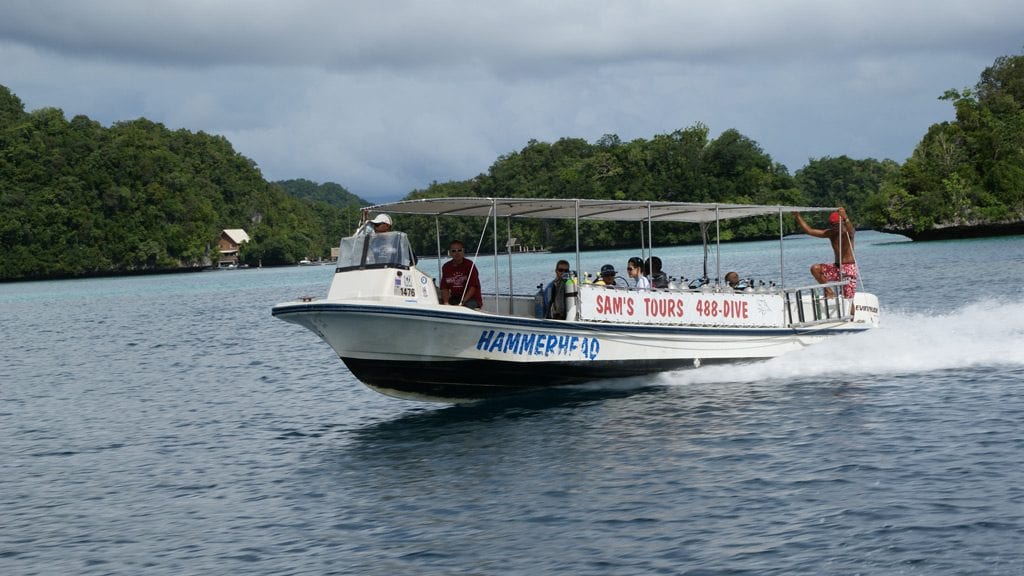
x,y
809,305
801,306
522,305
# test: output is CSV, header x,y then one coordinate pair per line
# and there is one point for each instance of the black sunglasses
x,y
562,270
455,249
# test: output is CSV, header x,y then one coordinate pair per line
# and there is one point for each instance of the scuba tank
x,y
538,302
556,304
571,292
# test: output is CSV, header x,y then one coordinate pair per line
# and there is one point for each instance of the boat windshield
x,y
385,250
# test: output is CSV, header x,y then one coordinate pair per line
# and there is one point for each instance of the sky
x,y
386,96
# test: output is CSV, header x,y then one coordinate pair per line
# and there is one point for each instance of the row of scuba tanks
x,y
563,299
571,290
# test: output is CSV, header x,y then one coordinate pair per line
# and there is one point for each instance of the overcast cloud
x,y
386,97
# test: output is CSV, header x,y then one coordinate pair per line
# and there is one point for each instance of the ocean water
x,y
169,425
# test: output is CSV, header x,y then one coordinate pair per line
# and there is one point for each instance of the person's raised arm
x,y
846,221
807,229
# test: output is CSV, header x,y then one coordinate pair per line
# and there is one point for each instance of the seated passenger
x,y
732,279
554,292
609,277
460,280
652,267
635,269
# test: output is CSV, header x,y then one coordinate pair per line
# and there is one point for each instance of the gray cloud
x,y
387,97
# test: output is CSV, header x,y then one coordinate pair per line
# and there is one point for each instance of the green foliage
x,y
684,166
970,172
335,209
329,193
853,184
80,199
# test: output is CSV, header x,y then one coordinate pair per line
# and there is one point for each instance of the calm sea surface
x,y
168,425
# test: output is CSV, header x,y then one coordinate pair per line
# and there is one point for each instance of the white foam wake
x,y
984,333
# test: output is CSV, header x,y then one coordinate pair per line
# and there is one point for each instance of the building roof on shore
x,y
237,235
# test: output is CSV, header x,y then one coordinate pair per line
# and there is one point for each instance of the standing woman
x,y
635,269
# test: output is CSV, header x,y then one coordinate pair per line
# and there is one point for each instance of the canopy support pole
x,y
494,226
782,253
508,233
437,229
577,220
718,246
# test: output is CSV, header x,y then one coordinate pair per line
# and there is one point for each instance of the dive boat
x,y
383,317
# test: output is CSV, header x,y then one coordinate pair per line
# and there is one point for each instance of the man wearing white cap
x,y
381,223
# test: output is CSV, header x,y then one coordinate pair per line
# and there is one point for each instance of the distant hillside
x,y
330,193
81,199
966,177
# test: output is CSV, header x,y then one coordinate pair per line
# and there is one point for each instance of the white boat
x,y
383,318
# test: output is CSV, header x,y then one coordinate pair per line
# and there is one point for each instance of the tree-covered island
x,y
81,199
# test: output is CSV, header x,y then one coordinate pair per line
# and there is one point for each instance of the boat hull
x,y
459,380
451,353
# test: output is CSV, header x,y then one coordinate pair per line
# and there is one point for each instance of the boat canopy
x,y
587,209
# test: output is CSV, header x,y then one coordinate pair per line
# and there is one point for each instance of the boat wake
x,y
986,333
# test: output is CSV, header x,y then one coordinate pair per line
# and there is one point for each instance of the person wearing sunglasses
x,y
460,280
609,277
554,292
635,269
380,224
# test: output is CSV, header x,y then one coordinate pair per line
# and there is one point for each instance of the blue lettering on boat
x,y
531,344
512,342
498,342
528,340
